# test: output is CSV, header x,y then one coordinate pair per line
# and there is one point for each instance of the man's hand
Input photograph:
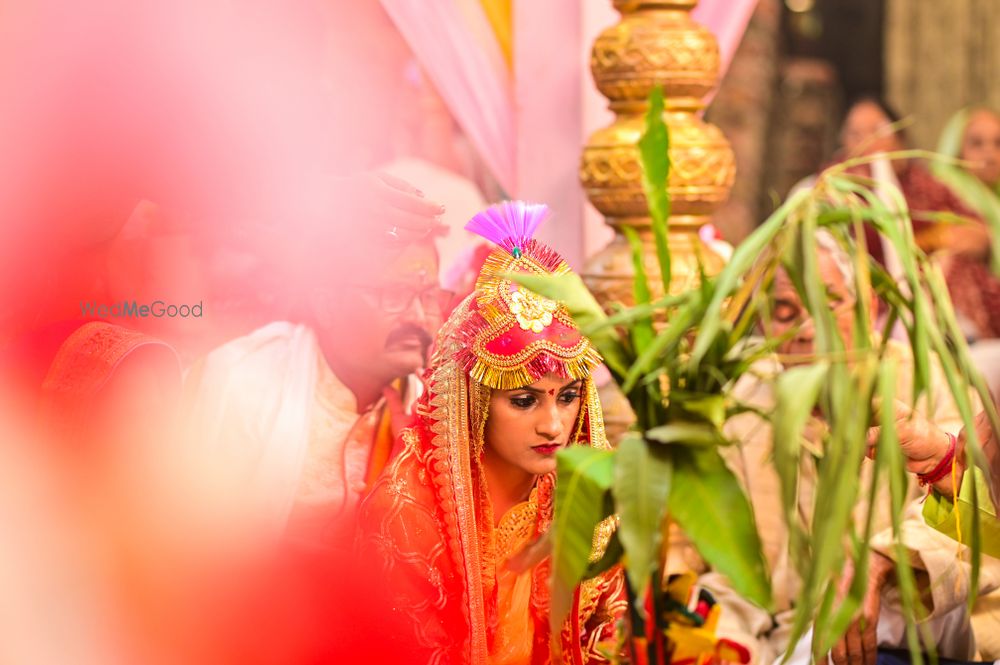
x,y
970,239
923,443
395,208
859,646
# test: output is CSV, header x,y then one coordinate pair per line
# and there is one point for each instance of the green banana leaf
x,y
642,329
686,434
654,153
707,502
641,486
585,477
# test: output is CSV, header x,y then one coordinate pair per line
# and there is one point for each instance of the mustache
x,y
406,331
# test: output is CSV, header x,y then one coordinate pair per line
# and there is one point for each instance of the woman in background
x,y
870,129
973,135
962,249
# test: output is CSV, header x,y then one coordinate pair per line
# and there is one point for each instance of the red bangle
x,y
942,469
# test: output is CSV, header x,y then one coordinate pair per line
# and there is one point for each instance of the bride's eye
x,y
569,396
523,401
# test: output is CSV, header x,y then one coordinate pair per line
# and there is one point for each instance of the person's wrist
x,y
945,485
880,568
940,443
941,471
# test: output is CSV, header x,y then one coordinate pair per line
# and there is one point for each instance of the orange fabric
x,y
383,443
514,634
498,12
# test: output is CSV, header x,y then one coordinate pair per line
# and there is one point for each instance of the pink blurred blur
x,y
177,150
221,114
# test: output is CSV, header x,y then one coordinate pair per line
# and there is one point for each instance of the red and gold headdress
x,y
520,335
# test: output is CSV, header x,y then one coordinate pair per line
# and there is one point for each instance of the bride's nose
x,y
549,424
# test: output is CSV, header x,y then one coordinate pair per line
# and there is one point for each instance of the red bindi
x,y
552,391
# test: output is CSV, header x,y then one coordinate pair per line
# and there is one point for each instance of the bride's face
x,y
527,426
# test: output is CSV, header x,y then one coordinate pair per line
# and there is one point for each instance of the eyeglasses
x,y
788,311
397,299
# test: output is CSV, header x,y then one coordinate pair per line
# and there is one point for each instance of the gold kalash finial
x,y
655,43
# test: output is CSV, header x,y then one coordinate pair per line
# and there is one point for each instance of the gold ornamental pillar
x,y
655,43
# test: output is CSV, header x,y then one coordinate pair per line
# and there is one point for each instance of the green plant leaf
x,y
681,321
959,365
814,292
743,259
836,623
709,407
707,343
642,329
797,391
627,315
888,446
708,503
959,372
654,155
641,488
846,409
820,628
833,626
585,477
687,434
962,367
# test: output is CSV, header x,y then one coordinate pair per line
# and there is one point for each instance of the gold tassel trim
x,y
511,378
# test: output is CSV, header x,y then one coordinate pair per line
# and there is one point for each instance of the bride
x,y
508,387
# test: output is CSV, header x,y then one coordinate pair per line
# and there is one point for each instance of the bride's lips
x,y
546,449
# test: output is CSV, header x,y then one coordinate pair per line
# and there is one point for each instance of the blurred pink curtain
x,y
457,48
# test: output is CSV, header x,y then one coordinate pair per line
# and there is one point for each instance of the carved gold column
x,y
655,43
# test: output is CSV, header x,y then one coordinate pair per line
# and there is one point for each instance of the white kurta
x,y
271,407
